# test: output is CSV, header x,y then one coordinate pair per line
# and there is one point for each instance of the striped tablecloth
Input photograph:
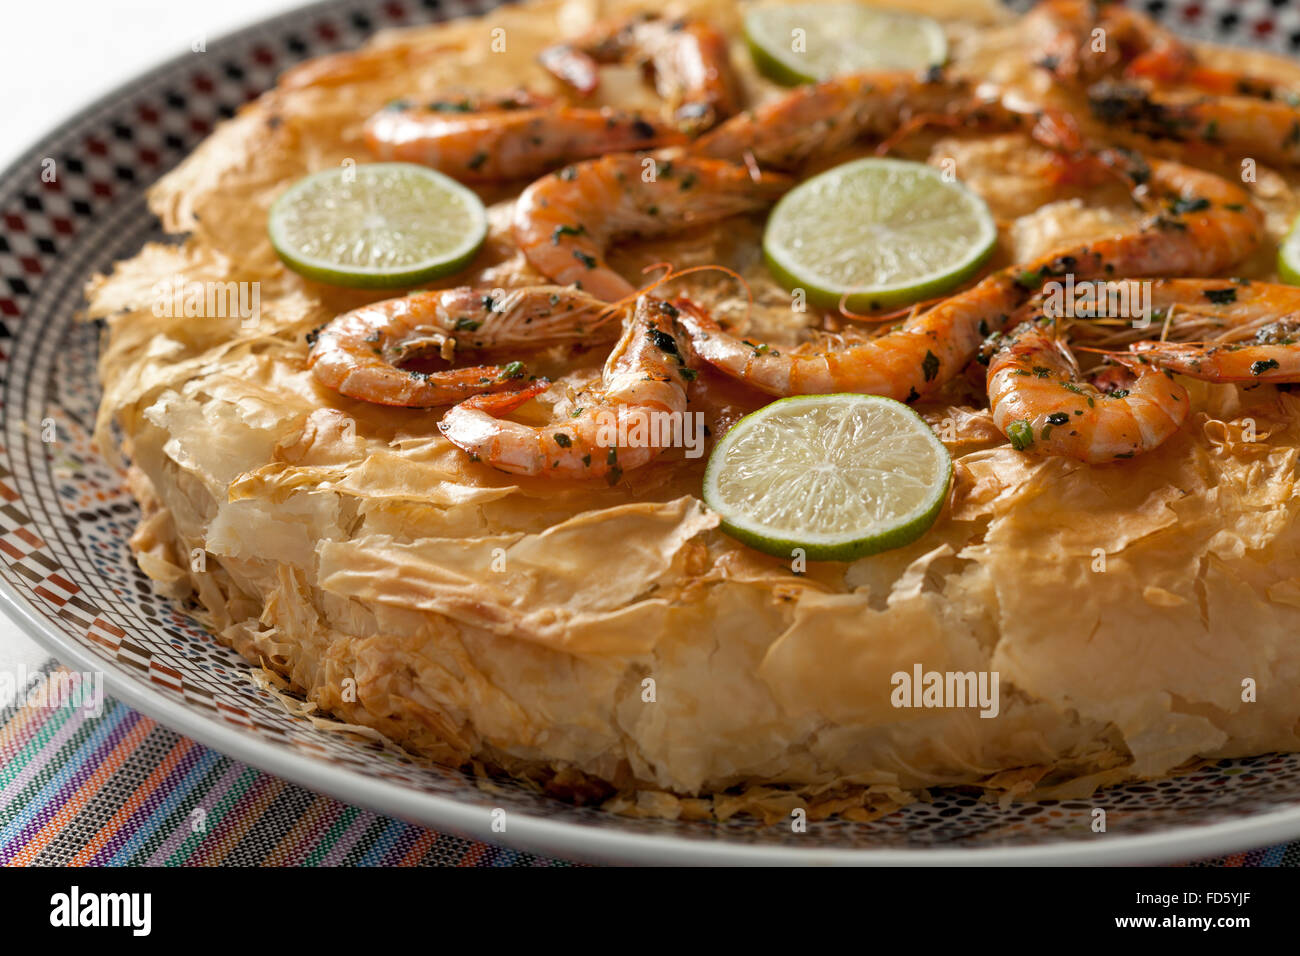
x,y
119,789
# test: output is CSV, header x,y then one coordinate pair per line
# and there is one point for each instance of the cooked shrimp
x,y
1217,311
509,144
1274,357
823,118
687,59
1199,224
621,424
1204,224
359,353
564,221
905,364
1081,41
1228,308
1268,130
1223,311
1253,330
1041,403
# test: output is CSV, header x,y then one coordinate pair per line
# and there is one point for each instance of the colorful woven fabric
x,y
120,790
1284,854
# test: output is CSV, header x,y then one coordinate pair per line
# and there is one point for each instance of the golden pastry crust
x,y
523,623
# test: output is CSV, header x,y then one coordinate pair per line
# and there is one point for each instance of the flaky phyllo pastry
x,y
606,639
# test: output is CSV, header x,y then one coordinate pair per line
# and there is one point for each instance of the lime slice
x,y
1288,256
377,226
840,476
884,232
804,43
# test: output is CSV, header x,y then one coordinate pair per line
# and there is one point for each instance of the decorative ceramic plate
x,y
68,577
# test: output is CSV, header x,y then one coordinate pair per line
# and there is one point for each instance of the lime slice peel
x,y
377,226
838,476
876,233
805,43
1288,256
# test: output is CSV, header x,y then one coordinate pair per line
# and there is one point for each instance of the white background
x,y
57,56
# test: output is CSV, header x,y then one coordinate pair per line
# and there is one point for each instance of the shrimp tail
x,y
497,404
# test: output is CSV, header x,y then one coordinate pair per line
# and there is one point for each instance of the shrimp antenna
x,y
907,310
631,297
914,125
1169,316
672,274
1096,351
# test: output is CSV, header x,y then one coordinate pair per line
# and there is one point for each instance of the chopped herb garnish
x,y
563,440
663,342
1221,296
1181,207
1021,434
930,365
562,231
513,370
